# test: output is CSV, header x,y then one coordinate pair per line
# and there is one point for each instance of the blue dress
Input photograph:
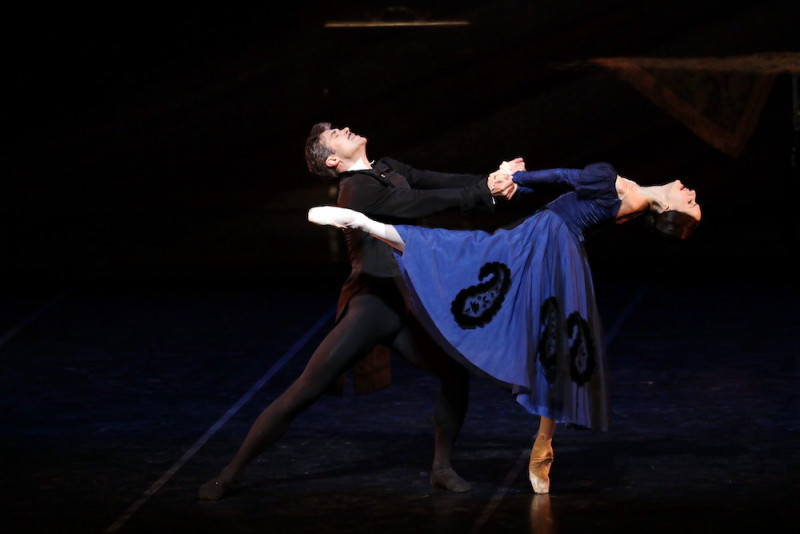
x,y
518,304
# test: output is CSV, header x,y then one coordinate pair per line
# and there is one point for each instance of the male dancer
x,y
371,311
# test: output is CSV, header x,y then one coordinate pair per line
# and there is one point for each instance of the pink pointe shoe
x,y
539,469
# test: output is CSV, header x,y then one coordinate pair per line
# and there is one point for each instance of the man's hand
x,y
501,185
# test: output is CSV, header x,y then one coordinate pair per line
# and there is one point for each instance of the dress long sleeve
x,y
546,180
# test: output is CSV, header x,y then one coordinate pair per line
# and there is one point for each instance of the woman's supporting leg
x,y
542,456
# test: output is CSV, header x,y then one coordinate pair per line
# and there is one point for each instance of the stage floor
x,y
119,400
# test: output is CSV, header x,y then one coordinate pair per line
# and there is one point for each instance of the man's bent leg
x,y
450,406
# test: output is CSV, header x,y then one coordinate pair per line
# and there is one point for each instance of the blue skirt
x,y
517,305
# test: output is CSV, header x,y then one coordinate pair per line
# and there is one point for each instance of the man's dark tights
x,y
367,322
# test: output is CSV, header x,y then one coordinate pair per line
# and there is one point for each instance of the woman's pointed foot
x,y
449,480
539,468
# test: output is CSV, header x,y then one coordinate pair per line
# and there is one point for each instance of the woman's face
x,y
681,198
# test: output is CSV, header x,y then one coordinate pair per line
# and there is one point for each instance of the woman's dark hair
x,y
672,223
317,152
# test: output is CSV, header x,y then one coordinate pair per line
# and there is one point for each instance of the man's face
x,y
344,144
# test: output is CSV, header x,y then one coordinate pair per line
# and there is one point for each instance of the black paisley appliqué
x,y
550,327
477,305
581,349
557,334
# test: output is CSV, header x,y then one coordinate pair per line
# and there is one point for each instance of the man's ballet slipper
x,y
215,489
448,479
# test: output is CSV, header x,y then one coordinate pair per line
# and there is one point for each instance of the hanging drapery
x,y
720,99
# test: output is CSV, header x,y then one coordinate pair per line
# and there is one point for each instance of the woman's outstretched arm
x,y
546,179
347,218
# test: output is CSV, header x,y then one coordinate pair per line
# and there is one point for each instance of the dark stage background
x,y
154,164
169,143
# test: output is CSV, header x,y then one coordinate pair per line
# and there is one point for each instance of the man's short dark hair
x,y
317,152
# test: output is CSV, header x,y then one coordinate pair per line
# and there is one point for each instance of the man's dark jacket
x,y
395,193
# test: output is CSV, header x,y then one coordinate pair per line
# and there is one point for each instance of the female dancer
x,y
526,315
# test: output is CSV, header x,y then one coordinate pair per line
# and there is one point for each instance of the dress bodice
x,y
593,198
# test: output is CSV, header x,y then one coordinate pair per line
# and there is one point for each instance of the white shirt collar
x,y
359,165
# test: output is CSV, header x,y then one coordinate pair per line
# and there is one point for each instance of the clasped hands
x,y
500,182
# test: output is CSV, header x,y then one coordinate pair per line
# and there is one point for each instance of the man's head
x,y
330,151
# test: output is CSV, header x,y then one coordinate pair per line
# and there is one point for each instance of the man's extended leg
x,y
367,321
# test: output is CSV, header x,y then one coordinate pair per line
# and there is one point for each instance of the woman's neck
x,y
655,196
637,199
